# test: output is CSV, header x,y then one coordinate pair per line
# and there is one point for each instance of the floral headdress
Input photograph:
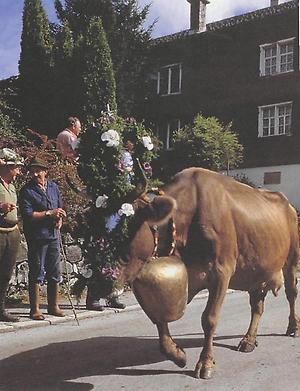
x,y
106,225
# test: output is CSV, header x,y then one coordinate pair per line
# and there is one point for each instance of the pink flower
x,y
111,273
102,243
147,167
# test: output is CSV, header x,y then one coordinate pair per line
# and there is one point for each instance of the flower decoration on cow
x,y
105,225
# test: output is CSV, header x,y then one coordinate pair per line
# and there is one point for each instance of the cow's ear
x,y
159,210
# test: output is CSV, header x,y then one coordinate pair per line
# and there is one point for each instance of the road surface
x,y
120,352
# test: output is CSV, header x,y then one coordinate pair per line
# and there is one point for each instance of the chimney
x,y
198,14
274,2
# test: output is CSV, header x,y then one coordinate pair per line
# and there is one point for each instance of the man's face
x,y
38,174
76,128
129,146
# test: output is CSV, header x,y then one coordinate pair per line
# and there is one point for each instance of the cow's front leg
x,y
168,347
248,343
205,366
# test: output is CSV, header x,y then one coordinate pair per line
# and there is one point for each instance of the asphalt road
x,y
120,352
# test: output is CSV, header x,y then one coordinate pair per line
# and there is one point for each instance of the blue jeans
x,y
44,260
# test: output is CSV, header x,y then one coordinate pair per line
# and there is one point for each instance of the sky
x,y
171,15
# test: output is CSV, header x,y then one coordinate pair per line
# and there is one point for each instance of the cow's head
x,y
140,245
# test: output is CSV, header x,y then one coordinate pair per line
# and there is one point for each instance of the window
x,y
166,132
169,80
277,57
275,120
272,178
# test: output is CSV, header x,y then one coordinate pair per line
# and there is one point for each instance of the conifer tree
x,y
98,82
35,67
129,43
128,40
79,12
65,84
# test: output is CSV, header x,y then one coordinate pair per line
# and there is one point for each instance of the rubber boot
x,y
34,298
114,302
52,294
93,301
4,315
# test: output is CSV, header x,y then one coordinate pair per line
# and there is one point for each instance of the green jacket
x,y
8,195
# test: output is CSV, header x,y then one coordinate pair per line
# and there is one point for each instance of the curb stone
x,y
81,315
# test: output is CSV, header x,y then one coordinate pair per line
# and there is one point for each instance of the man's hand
x,y
57,213
7,207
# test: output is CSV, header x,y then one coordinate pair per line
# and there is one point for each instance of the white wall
x,y
290,180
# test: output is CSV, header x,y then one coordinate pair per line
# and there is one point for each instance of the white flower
x,y
126,209
147,143
101,201
86,272
112,137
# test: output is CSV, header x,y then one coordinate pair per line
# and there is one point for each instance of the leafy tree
x,y
35,67
231,152
98,82
206,143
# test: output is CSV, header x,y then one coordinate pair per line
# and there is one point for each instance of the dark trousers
x,y
44,260
9,247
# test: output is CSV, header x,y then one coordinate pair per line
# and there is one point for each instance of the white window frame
x,y
275,120
169,133
165,137
169,67
277,57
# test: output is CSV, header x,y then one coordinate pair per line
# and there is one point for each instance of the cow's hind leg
x,y
248,343
291,291
168,347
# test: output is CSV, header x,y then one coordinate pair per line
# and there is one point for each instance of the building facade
x,y
243,70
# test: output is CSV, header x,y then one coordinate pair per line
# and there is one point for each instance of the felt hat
x,y
38,162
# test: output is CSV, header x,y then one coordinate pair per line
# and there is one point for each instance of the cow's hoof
x,y
202,372
293,329
293,332
179,358
247,346
180,361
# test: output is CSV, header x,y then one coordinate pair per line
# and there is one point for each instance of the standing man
x,y
10,237
41,209
67,140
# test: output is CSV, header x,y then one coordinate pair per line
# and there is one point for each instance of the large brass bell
x,y
161,289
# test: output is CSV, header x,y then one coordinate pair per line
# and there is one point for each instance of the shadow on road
x,y
56,366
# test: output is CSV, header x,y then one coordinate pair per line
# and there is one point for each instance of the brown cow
x,y
229,235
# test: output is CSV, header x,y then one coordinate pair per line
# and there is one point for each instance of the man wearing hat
x,y
42,213
10,237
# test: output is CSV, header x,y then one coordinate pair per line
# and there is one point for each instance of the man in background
x,y
67,140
